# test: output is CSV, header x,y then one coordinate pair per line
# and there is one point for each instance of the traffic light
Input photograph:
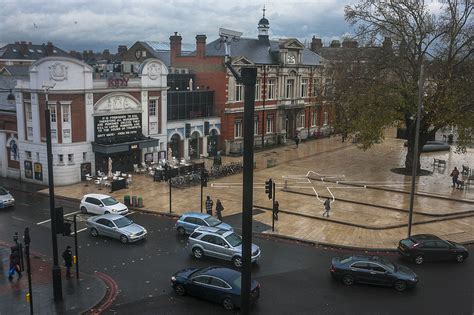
x,y
187,130
67,228
204,177
269,188
59,218
206,128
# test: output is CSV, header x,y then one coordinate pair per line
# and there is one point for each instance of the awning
x,y
124,146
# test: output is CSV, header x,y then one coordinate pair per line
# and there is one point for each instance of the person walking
x,y
327,207
297,139
209,204
219,209
67,256
455,175
14,263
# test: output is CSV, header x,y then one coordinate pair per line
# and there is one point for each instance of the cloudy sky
x,y
79,25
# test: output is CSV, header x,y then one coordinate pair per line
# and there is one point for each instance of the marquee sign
x,y
117,128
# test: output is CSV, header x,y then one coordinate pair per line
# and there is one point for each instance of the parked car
x,y
116,226
222,244
101,204
426,247
189,221
372,270
216,284
6,199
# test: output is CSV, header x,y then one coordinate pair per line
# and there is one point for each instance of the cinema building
x,y
122,117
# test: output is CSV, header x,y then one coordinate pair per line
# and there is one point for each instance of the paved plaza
x,y
369,202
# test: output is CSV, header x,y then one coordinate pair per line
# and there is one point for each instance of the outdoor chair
x,y
88,179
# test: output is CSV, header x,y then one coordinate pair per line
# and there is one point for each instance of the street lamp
x,y
56,270
415,149
11,97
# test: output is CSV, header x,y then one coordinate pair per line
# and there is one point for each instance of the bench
x,y
438,162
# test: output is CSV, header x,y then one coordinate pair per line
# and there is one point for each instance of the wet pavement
x,y
370,202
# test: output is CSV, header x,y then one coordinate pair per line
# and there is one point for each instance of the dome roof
x,y
263,22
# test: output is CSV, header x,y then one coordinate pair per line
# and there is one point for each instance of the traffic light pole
x,y
76,247
202,188
26,237
273,207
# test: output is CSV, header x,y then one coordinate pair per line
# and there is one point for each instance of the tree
x,y
383,91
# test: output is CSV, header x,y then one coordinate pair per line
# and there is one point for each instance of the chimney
x,y
348,43
316,44
24,48
175,47
122,49
201,46
106,54
335,44
49,49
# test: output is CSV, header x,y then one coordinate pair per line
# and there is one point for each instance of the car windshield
x,y
211,221
109,201
234,239
3,191
122,222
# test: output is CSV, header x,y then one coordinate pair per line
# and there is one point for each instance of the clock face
x,y
291,59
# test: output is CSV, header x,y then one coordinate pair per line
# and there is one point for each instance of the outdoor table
x,y
118,184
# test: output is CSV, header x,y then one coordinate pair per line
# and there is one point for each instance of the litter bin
x,y
134,201
140,202
126,200
450,138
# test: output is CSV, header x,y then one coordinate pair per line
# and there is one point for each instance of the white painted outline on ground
x,y
66,215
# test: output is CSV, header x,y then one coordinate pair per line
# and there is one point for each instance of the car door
x,y
210,247
188,224
429,250
379,275
443,251
217,289
225,250
103,226
361,271
91,205
198,286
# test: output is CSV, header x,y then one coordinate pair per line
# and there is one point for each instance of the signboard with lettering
x,y
38,171
117,128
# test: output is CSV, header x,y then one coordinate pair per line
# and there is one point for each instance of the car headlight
x,y
173,278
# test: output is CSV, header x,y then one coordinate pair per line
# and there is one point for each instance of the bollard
x,y
140,202
134,201
126,200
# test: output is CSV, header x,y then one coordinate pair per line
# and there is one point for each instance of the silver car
x,y
218,243
116,226
6,199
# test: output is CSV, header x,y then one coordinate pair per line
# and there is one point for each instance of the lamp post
x,y
264,90
56,271
415,149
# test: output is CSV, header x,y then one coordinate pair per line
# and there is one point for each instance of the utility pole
x,y
56,270
27,240
264,90
76,248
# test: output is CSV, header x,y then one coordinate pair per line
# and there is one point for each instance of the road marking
x,y
79,231
67,214
42,222
19,219
22,204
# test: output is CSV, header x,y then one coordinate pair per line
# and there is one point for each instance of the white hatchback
x,y
101,204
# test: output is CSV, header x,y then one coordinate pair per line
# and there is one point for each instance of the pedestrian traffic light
x,y
269,188
204,177
67,228
187,130
59,219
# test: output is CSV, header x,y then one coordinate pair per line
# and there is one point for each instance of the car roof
x,y
424,237
355,258
222,272
195,215
109,216
213,230
98,196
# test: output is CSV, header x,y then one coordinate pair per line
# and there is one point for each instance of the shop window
x,y
270,124
239,91
238,129
271,89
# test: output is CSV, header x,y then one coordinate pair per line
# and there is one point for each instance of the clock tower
x,y
263,27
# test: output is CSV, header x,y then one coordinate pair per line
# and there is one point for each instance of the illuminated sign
x,y
117,128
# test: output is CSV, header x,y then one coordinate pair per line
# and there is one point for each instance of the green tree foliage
x,y
380,88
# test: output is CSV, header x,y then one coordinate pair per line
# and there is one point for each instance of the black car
x,y
217,284
372,270
426,247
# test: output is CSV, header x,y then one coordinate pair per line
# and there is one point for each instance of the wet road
x,y
294,277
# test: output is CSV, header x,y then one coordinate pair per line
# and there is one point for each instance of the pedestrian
x,y
67,256
219,209
14,263
297,139
209,204
327,207
455,175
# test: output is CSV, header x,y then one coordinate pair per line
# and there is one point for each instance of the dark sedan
x,y
372,270
426,247
216,284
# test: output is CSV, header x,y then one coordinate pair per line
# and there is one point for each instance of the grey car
x,y
189,221
116,226
6,199
218,243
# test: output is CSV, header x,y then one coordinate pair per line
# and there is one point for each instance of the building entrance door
x,y
194,150
212,143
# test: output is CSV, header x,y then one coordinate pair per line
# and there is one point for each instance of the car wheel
x,y
181,231
84,210
106,212
459,258
237,261
400,285
228,304
123,239
419,260
197,252
179,289
348,280
94,232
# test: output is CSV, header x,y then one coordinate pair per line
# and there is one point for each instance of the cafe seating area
x,y
117,181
